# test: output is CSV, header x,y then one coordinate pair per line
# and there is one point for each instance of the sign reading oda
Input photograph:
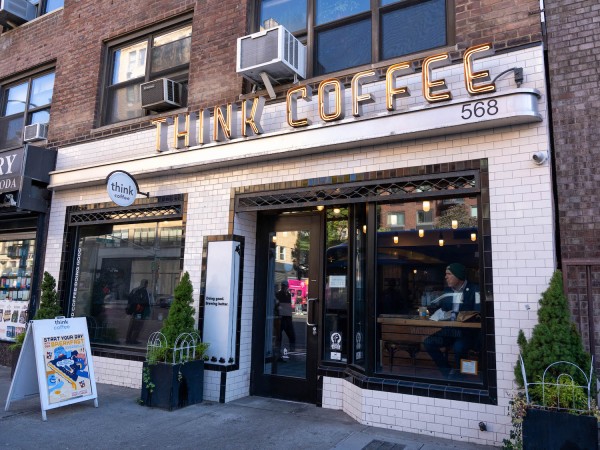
x,y
121,187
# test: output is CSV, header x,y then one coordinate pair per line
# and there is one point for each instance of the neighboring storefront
x,y
24,202
357,215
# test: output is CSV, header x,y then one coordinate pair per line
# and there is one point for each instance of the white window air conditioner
x,y
35,132
16,12
275,52
161,94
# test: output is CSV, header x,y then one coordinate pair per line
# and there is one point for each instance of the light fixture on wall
x,y
441,240
364,229
274,238
454,224
426,206
396,238
421,232
336,211
320,207
473,237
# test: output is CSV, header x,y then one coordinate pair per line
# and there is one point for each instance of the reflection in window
x,y
413,289
115,260
289,13
336,286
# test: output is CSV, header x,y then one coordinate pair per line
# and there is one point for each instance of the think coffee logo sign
x,y
122,188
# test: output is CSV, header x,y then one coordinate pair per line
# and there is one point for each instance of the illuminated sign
x,y
121,187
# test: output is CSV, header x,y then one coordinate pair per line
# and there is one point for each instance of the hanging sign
x,y
122,188
56,363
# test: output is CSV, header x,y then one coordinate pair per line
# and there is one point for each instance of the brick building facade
x,y
574,93
341,196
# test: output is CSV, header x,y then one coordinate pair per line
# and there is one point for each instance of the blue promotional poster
x,y
66,366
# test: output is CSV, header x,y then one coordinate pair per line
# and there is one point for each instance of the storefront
x,y
24,202
351,219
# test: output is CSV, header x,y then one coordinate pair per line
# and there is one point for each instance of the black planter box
x,y
172,390
550,430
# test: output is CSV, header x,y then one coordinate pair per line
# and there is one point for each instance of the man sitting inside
x,y
464,298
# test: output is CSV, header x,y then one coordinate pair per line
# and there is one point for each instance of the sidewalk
x,y
248,423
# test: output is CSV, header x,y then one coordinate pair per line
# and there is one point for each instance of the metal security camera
x,y
540,157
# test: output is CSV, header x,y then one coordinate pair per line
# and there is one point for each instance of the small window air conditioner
x,y
161,94
35,132
274,51
16,12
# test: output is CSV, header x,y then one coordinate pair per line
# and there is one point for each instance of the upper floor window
x,y
24,102
346,34
161,54
51,5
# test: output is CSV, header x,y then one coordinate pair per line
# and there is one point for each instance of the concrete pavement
x,y
248,423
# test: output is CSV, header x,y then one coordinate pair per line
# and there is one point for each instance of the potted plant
x,y
554,407
173,373
49,309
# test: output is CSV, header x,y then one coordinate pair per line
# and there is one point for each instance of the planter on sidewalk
x,y
173,386
559,430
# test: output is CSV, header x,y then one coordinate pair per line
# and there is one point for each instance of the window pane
x,y
171,49
330,10
112,267
41,91
413,29
412,283
42,116
15,99
289,13
360,283
389,2
125,103
343,47
11,132
51,5
128,64
336,287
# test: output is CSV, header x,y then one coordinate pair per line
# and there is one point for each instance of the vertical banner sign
x,y
58,351
220,300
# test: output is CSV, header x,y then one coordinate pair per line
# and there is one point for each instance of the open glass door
x,y
285,342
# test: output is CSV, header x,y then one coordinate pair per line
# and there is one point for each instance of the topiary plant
x,y
554,338
181,313
49,304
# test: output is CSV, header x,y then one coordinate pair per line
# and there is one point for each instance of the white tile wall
x,y
522,239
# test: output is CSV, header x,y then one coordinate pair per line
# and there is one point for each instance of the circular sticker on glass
x,y
121,187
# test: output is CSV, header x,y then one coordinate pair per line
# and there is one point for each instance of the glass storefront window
x,y
427,294
119,266
360,284
16,265
336,286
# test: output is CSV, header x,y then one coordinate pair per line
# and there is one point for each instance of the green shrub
x,y
554,338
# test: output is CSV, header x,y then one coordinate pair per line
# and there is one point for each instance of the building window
x,y
24,102
412,285
113,261
160,54
51,5
342,33
395,220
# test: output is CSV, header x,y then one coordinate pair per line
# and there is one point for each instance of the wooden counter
x,y
394,319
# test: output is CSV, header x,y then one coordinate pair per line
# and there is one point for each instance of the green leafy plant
x,y
49,307
554,338
180,320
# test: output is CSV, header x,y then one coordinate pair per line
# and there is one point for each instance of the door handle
x,y
308,312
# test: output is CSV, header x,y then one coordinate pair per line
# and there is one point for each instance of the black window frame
x,y
27,111
308,35
178,73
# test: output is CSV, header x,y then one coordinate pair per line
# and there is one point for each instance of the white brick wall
x,y
522,239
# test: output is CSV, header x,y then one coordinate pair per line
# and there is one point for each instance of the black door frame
x,y
271,385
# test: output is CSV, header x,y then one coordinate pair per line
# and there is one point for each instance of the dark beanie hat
x,y
458,270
